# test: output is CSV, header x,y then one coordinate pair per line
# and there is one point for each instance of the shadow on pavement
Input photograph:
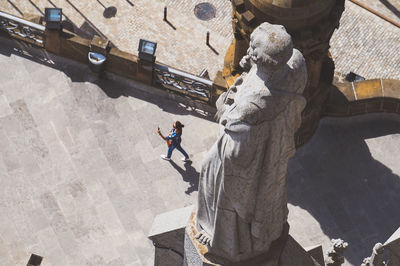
x,y
391,7
16,8
350,194
112,86
189,175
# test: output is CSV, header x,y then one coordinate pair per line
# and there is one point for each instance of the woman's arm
x,y
159,133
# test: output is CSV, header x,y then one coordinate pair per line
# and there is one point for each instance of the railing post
x,y
145,72
165,13
53,41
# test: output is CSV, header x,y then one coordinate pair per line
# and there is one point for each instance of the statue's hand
x,y
245,62
203,237
237,82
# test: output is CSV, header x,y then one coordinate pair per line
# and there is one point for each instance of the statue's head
x,y
270,46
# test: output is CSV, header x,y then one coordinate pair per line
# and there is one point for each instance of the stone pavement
x,y
183,48
344,183
81,179
388,8
364,43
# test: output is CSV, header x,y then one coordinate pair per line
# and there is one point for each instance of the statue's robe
x,y
242,202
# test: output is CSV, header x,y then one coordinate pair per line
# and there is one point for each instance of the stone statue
x,y
335,252
376,258
242,205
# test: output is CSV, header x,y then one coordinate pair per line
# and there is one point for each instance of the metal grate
x,y
205,11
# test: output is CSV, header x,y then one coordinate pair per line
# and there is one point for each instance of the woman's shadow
x,y
189,174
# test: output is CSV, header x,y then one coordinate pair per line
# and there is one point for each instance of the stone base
x,y
284,251
167,234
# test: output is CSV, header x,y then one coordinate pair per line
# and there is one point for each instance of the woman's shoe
x,y
186,159
165,157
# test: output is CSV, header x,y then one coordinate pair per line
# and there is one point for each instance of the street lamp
x,y
147,49
53,17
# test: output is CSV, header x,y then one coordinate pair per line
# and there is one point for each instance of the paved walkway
x,y
183,47
81,177
81,180
364,43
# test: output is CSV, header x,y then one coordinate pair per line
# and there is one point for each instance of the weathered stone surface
x,y
317,253
294,255
99,45
368,96
284,251
121,63
242,203
167,234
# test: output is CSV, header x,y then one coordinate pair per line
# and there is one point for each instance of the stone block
x,y
317,253
239,5
337,103
368,89
391,88
75,48
99,45
167,234
294,254
145,72
358,108
393,245
248,17
336,110
394,239
391,105
284,251
53,41
374,105
346,89
122,63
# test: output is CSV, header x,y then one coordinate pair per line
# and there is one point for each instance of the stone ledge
x,y
122,63
284,251
167,234
69,45
369,96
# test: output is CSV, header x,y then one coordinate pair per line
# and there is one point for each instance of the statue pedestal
x,y
284,251
173,234
167,234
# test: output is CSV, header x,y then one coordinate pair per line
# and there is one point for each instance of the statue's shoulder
x,y
297,77
256,106
297,60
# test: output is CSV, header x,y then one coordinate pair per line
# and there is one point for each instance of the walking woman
x,y
174,141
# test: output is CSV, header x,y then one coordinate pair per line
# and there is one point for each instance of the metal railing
x,y
22,29
183,83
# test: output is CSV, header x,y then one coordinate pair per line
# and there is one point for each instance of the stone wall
x,y
67,44
369,96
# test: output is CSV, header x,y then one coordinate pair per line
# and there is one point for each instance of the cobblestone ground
x,y
183,47
366,44
388,8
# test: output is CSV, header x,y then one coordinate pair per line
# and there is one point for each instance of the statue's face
x,y
270,46
255,50
258,52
